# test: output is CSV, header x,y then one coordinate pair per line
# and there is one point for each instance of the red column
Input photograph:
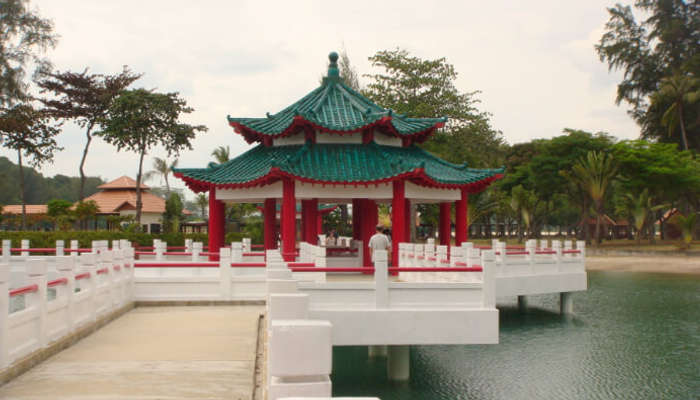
x,y
368,220
319,226
270,227
288,219
398,220
461,218
309,217
445,222
356,225
409,220
217,223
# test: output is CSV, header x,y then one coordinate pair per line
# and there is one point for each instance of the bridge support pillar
x,y
376,351
398,363
566,303
522,303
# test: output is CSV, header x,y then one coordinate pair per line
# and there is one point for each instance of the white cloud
x,y
533,61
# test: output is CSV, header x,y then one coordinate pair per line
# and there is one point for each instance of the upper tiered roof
x,y
335,108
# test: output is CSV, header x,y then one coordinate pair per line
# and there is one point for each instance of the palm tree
x,y
595,172
203,202
162,168
682,90
523,202
687,227
639,209
221,154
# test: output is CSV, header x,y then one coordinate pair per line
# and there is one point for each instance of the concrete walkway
x,y
196,352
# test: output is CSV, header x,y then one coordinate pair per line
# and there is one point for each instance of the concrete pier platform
x,y
198,352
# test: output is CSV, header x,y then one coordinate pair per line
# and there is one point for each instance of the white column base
x,y
398,363
566,303
522,303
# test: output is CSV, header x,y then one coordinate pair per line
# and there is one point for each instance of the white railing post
x,y
556,248
488,278
531,249
66,269
89,265
567,247
160,249
129,263
225,273
237,252
441,255
429,250
188,245
544,244
107,258
60,248
74,247
381,279
320,257
247,245
4,312
6,252
196,250
36,270
581,246
24,245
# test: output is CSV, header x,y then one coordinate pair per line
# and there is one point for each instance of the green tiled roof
x,y
334,107
336,163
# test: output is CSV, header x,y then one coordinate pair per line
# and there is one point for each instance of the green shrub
x,y
48,239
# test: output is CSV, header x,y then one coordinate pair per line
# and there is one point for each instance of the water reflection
x,y
634,336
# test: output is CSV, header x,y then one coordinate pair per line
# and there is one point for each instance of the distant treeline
x,y
39,189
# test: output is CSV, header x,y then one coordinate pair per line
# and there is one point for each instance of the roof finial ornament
x,y
333,71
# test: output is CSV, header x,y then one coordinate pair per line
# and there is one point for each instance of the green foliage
x,y
687,226
221,154
59,211
85,210
38,189
203,203
173,214
639,209
25,36
669,174
161,168
84,99
650,51
426,88
140,119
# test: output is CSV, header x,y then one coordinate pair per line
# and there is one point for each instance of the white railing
x,y
87,287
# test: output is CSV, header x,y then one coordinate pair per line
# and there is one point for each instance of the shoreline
x,y
647,263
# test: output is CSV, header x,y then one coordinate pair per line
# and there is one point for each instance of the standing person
x,y
379,241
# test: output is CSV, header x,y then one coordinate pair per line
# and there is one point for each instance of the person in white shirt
x,y
379,241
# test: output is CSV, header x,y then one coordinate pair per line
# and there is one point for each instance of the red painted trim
x,y
300,264
117,267
84,275
102,271
571,251
177,265
251,265
57,282
145,253
545,252
24,290
176,253
334,269
475,268
35,250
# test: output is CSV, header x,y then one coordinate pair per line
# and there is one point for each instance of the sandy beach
x,y
647,263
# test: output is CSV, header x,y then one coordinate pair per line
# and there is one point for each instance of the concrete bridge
x,y
432,298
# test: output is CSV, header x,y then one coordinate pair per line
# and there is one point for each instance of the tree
x,y
663,44
173,214
639,208
221,154
60,213
85,210
595,172
687,226
137,120
24,37
348,73
202,202
524,203
162,168
426,88
29,132
83,98
682,90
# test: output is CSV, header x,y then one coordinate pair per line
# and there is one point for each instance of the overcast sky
x,y
533,61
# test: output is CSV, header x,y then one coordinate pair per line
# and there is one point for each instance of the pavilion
x,y
336,146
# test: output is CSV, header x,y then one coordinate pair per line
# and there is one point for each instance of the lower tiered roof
x,y
344,163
